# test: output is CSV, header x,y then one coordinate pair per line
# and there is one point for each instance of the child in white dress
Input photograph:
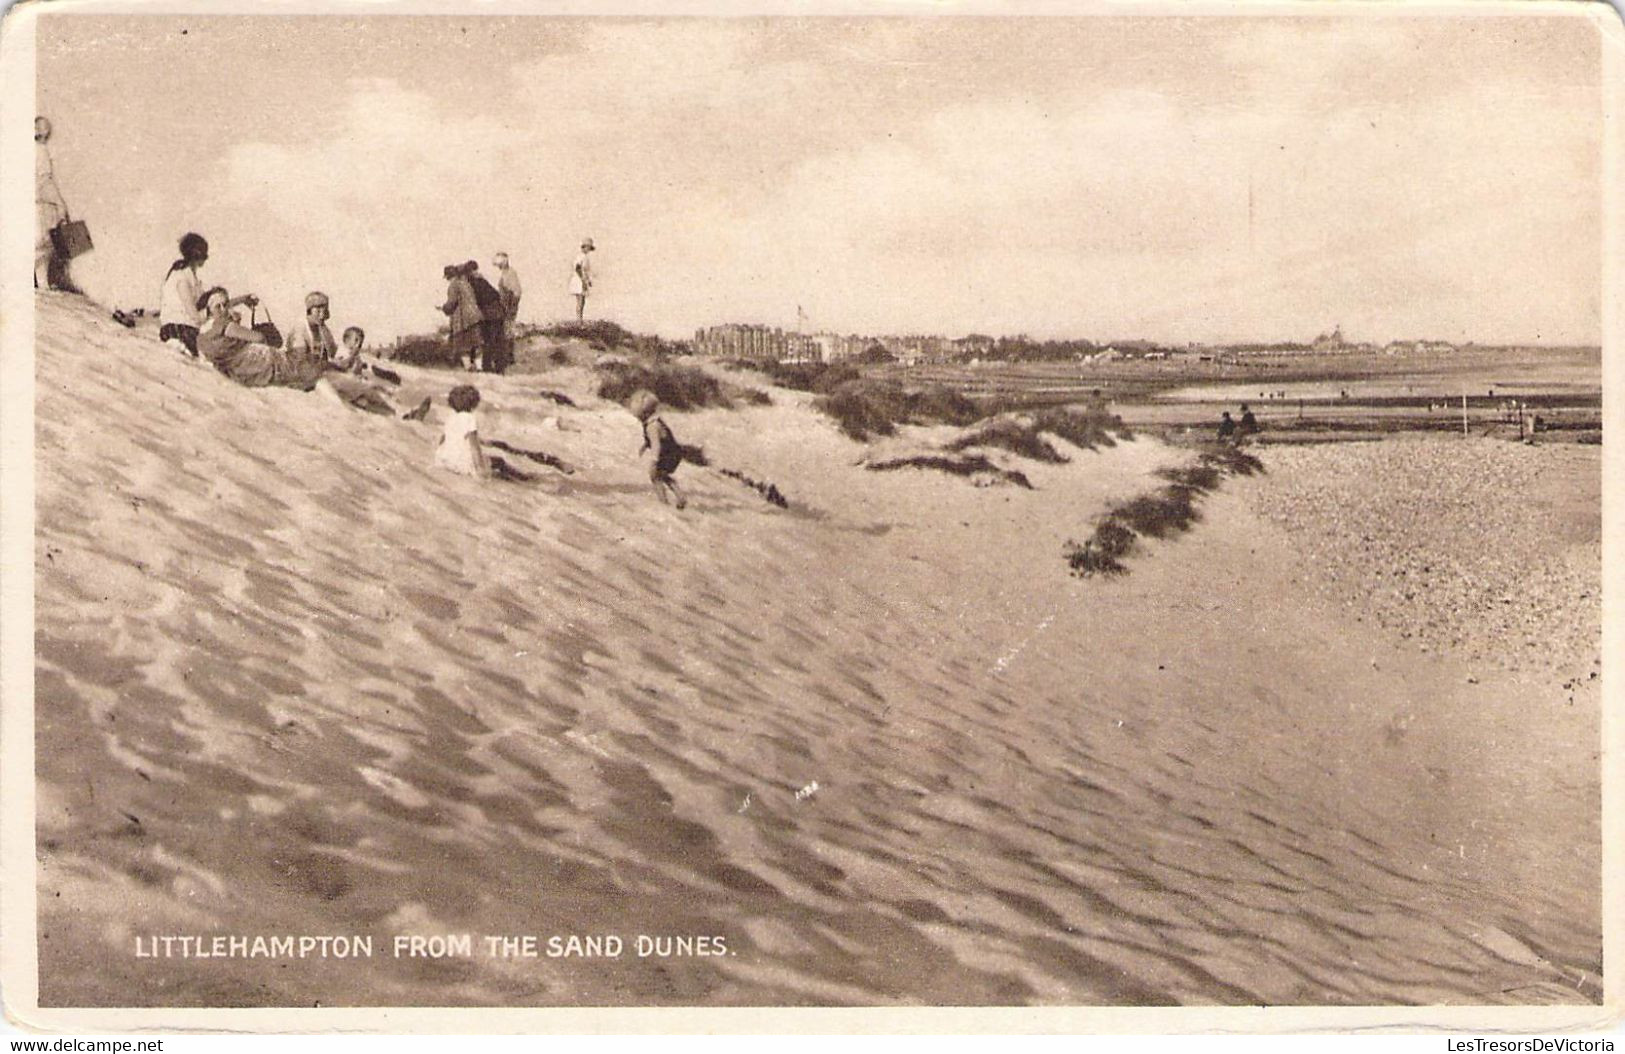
x,y
459,449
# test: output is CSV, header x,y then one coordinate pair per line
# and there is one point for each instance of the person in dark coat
x,y
493,320
1249,423
1227,427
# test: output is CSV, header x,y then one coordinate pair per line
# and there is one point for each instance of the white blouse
x,y
177,304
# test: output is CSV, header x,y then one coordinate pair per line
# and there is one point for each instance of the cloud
x,y
1109,177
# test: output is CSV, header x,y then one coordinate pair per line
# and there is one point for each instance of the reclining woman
x,y
248,356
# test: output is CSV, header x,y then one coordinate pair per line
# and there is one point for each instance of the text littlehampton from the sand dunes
x,y
436,946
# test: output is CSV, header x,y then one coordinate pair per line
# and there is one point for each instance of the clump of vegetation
x,y
541,457
864,408
867,408
1086,429
939,403
1231,459
970,465
600,332
819,377
1102,554
767,490
677,386
1012,435
423,349
1168,511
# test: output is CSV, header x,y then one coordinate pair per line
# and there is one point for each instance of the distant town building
x,y
770,344
1332,341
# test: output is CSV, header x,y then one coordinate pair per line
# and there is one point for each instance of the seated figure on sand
x,y
1227,427
179,318
312,338
668,452
360,384
459,450
249,356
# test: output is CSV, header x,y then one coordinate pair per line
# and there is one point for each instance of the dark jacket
x,y
487,297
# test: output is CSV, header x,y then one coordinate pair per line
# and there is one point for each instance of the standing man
x,y
508,286
581,279
49,210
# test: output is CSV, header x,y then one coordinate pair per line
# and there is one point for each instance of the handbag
x,y
273,336
71,238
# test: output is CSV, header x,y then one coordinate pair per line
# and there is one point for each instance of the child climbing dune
x,y
667,451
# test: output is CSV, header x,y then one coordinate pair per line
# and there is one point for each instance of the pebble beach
x,y
1487,549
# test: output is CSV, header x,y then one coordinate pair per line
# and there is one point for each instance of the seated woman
x,y
313,338
246,355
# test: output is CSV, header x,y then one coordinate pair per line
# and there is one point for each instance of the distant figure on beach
x,y
668,452
1249,423
508,286
360,384
1227,426
178,316
581,278
493,320
459,450
463,313
50,269
313,338
248,356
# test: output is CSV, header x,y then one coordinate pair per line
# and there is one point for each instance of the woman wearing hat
x,y
246,356
581,278
49,210
313,339
464,315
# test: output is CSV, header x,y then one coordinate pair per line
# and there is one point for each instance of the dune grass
x,y
865,408
1012,435
1168,511
677,385
967,465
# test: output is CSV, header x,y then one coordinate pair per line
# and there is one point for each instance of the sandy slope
x,y
292,680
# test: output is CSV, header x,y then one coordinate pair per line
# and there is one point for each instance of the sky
x,y
1171,178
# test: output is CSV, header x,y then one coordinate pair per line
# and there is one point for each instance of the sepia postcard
x,y
854,518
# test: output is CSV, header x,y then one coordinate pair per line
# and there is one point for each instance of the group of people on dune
x,y
203,324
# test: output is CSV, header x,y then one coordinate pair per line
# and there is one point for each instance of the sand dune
x,y
293,680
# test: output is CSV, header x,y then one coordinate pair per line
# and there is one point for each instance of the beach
x,y
878,748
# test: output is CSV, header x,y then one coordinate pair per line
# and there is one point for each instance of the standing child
x,y
459,449
668,453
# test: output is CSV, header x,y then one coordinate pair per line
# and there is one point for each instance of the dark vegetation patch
x,y
767,490
1168,511
677,386
1007,433
817,377
602,333
865,408
1087,429
541,457
423,349
964,465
